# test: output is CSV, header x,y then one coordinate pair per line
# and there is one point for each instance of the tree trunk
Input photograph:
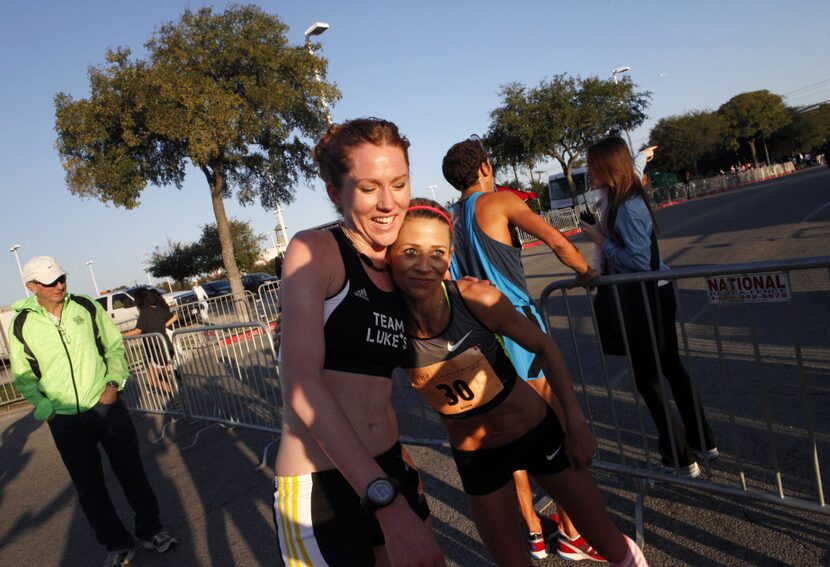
x,y
515,173
752,148
566,167
217,181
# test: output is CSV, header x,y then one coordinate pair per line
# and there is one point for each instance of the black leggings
x,y
647,379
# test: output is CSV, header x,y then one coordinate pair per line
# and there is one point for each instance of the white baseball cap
x,y
43,269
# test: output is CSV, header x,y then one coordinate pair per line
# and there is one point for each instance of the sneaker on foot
x,y
161,542
691,471
706,454
536,544
120,557
576,549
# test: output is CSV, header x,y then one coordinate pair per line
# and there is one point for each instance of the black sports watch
x,y
380,493
113,383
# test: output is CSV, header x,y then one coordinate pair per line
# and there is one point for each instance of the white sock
x,y
567,537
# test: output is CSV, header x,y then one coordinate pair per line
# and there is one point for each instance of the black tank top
x,y
362,324
464,332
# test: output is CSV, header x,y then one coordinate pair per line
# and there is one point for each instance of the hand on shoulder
x,y
479,291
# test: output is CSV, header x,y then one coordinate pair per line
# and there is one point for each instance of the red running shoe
x,y
536,545
576,549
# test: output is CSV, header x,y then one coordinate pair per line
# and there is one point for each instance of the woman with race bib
x,y
496,422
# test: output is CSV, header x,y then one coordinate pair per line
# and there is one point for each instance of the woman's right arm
x,y
496,312
308,278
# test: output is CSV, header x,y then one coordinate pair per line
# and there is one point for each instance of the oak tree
x,y
223,92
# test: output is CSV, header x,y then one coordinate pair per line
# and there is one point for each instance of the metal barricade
x,y
8,393
152,386
755,371
724,182
225,309
268,301
228,374
562,220
191,314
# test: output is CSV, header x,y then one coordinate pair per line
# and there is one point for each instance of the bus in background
x,y
560,193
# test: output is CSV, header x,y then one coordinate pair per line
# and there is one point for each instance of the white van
x,y
120,305
6,317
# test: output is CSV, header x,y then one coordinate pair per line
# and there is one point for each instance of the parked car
x,y
6,317
214,289
252,282
120,306
189,309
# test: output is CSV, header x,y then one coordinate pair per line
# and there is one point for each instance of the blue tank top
x,y
363,325
477,254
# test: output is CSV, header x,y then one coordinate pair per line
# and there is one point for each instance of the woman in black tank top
x,y
347,494
496,423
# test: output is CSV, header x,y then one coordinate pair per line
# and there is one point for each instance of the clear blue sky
x,y
433,67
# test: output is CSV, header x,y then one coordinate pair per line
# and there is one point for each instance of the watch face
x,y
381,492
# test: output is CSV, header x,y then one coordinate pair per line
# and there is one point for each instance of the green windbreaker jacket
x,y
73,375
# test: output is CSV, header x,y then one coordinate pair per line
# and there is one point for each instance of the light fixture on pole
x,y
314,30
13,250
432,189
280,232
91,273
147,268
619,71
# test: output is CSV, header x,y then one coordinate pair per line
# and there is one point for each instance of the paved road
x,y
219,505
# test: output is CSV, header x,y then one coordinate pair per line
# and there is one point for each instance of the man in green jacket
x,y
67,359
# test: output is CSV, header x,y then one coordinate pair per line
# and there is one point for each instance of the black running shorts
x,y
539,451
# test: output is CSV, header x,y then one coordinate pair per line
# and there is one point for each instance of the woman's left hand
x,y
580,446
592,232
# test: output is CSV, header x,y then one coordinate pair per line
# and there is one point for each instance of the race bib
x,y
457,385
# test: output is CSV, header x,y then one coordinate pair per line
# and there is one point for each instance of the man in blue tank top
x,y
486,246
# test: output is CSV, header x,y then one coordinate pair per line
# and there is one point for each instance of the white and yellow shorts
x,y
320,522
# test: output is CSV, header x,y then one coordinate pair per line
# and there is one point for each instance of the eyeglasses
x,y
60,280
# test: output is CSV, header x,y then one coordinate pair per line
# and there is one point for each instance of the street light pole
x,y
432,189
614,73
146,268
89,264
13,250
316,29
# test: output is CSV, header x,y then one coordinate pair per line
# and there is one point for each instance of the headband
x,y
443,215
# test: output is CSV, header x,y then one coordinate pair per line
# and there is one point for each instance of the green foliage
x,y
184,262
753,115
223,91
509,137
246,246
560,117
266,267
181,262
683,140
805,132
